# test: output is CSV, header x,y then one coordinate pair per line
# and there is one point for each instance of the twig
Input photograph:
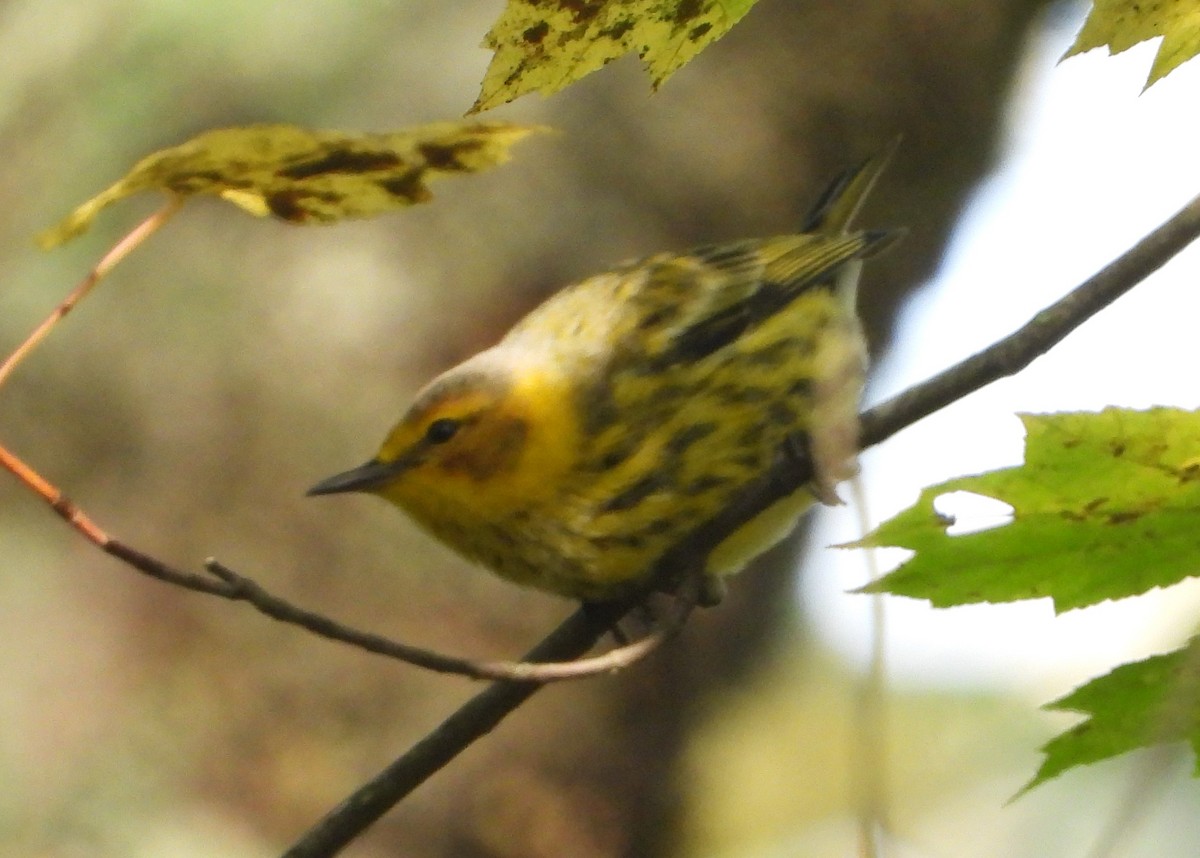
x,y
227,584
240,588
59,502
1145,783
1044,331
577,634
119,251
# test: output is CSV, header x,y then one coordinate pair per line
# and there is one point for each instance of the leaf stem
x,y
106,264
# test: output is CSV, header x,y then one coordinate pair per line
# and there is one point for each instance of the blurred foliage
x,y
1134,706
770,767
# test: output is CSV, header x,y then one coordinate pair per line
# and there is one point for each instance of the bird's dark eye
x,y
442,430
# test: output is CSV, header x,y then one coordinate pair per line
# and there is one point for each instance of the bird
x,y
630,408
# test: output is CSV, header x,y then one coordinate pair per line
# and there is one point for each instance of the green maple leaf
x,y
1106,505
1137,705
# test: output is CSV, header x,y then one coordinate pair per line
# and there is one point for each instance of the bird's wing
x,y
693,305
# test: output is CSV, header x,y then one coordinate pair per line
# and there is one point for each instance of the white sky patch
x,y
967,512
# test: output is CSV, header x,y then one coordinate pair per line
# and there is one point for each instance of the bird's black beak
x,y
364,478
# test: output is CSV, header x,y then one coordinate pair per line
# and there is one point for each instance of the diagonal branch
x,y
475,719
1044,331
575,636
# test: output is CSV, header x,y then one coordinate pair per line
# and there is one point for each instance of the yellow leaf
x,y
1121,24
543,45
305,176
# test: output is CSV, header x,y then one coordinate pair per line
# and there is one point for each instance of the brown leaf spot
x,y
582,11
446,157
687,10
1124,517
188,183
617,31
705,484
288,206
697,33
407,186
342,161
689,435
535,34
1189,471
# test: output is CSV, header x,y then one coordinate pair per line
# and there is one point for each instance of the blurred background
x,y
232,362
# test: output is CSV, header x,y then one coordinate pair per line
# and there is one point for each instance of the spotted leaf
x,y
305,176
1104,507
544,45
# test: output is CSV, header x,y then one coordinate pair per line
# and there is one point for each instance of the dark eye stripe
x,y
442,430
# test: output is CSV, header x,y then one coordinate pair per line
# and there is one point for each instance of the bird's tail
x,y
844,196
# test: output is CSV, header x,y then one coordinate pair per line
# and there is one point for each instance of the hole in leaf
x,y
967,512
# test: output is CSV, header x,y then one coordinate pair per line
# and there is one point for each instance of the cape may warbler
x,y
628,409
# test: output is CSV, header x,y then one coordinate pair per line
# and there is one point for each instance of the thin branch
x,y
473,720
240,588
119,251
58,502
1044,331
223,582
228,584
1006,357
1145,784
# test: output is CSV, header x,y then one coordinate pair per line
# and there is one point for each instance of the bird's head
x,y
478,441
